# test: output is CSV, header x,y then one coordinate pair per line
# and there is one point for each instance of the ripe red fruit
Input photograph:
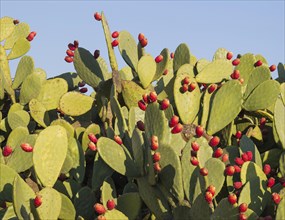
x,y
192,86
186,80
159,58
71,47
142,105
184,88
145,98
238,134
237,185
212,88
199,131
262,121
152,96
115,43
173,121
239,161
270,182
83,90
237,169
249,155
101,217
241,81
235,74
194,161
164,104
211,189
70,53
99,208
154,139
26,147
171,55
111,204
144,42
118,139
68,59
6,151
97,16
214,141
92,146
218,152
76,43
258,63
230,170
232,198
141,36
242,207
115,34
156,157
31,36
165,72
140,125
177,129
195,146
276,198
266,169
92,138
204,171
225,158
37,201
236,62
229,55
96,54
208,197
154,143
244,157
242,216
157,167
81,84
272,68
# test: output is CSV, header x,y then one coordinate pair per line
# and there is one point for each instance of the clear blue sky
x,y
239,26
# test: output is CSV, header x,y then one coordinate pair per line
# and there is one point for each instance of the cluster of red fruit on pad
x,y
70,51
92,142
142,39
187,85
8,150
101,210
155,155
152,97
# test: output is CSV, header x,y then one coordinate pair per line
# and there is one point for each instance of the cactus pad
x,y
146,70
181,56
25,68
21,47
130,204
39,113
6,182
279,118
246,66
220,53
6,27
226,211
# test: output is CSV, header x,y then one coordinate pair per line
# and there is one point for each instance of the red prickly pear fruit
x,y
145,98
184,88
97,16
171,55
208,197
159,58
154,142
230,55
96,54
68,59
92,138
140,125
225,158
238,134
218,152
164,104
157,167
276,198
199,131
262,121
156,157
165,72
214,141
152,96
99,208
6,151
194,161
37,201
239,161
244,157
70,53
204,171
31,36
101,217
192,86
76,43
173,121
237,169
141,36
195,146
118,139
258,63
186,80
236,62
92,146
211,189
230,170
16,21
242,207
249,155
235,74
154,146
272,68
212,88
232,198
71,47
115,34
81,84
83,90
242,216
237,185
26,147
270,182
115,43
142,105
266,169
111,204
177,129
144,42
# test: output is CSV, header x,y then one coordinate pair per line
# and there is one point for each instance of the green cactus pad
x,y
251,194
207,101
19,118
2,83
146,70
72,80
226,211
181,212
262,58
130,187
163,65
39,113
5,68
104,68
115,214
135,114
263,96
49,154
279,118
116,157
87,67
249,171
128,49
138,150
9,214
6,182
68,127
130,204
23,196
246,144
200,209
246,66
280,213
116,108
187,103
282,163
24,68
6,27
205,152
126,73
75,104
201,64
186,69
215,72
258,75
220,53
21,30
271,157
181,56
108,191
226,104
68,187
282,89
51,204
21,47
92,128
67,208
